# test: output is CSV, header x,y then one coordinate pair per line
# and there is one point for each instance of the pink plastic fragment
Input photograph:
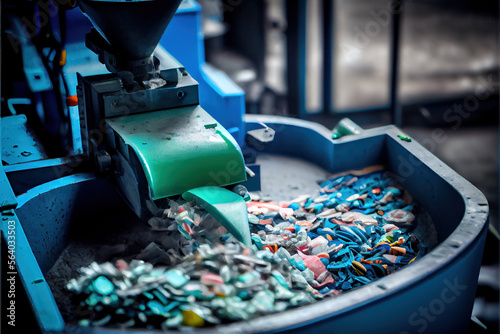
x,y
328,279
122,265
268,205
255,210
286,213
400,216
390,227
266,221
318,245
391,258
313,263
358,217
339,222
211,279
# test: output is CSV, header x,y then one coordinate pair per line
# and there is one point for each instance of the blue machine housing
x,y
218,95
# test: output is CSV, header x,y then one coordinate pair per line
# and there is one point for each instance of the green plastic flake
x,y
281,280
258,242
84,323
92,300
101,322
248,277
161,297
156,307
252,219
110,300
171,306
263,301
174,321
280,291
236,309
346,127
308,275
301,298
407,139
298,279
148,295
103,286
336,134
176,278
142,317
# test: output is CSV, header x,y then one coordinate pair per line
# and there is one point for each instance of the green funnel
x,y
133,28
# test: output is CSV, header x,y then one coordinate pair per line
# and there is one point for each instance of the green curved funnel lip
x,y
228,208
178,153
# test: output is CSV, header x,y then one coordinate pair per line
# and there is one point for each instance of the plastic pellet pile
x,y
357,230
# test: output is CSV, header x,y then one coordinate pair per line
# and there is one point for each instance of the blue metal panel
x,y
7,197
219,96
44,306
18,144
79,59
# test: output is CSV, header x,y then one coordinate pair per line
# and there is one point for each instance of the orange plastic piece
x,y
62,60
376,261
272,248
72,100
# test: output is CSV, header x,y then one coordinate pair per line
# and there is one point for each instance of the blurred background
x,y
429,67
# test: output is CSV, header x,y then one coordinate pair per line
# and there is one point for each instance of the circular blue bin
x,y
433,295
